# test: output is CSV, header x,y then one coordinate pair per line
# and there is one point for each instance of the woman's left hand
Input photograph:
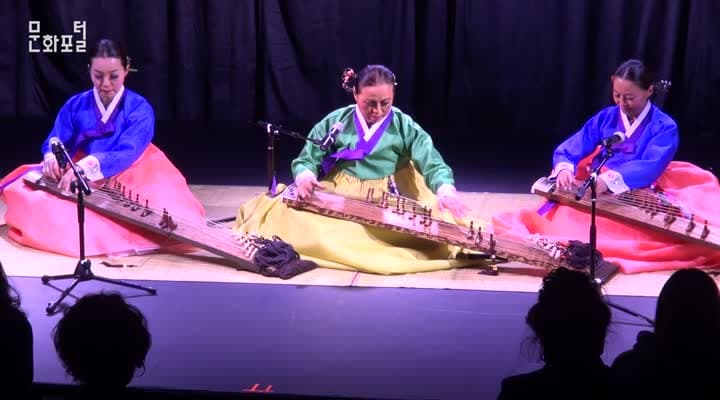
x,y
449,201
600,188
67,178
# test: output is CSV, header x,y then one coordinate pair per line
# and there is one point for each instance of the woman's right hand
x,y
306,185
51,168
565,179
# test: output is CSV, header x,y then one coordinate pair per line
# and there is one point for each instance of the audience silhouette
x,y
102,341
16,341
570,321
680,358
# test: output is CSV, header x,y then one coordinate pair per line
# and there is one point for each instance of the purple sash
x,y
7,183
101,128
546,207
362,148
628,145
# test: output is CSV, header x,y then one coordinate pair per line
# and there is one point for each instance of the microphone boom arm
x,y
273,131
278,130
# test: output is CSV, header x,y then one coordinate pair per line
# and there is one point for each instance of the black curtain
x,y
468,70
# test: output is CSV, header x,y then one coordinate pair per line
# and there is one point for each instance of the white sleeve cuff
x,y
561,166
305,174
91,166
446,189
614,181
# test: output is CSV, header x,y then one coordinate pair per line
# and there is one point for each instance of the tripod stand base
x,y
605,271
84,273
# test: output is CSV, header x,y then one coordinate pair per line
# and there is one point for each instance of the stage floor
x,y
367,342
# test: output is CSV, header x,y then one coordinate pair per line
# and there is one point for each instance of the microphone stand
x,y
272,180
591,183
274,131
82,272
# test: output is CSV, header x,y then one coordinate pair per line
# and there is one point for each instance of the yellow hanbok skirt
x,y
341,244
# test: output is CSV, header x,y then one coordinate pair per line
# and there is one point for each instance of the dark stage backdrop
x,y
493,80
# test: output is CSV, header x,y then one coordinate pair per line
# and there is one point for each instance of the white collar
x,y
630,128
106,113
368,132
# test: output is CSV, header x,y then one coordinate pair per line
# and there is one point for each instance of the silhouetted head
x,y
570,318
373,89
102,340
687,318
8,295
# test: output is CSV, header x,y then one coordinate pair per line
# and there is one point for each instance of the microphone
x,y
616,137
329,139
58,148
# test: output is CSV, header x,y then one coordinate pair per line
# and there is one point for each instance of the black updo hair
x,y
112,49
635,71
371,75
